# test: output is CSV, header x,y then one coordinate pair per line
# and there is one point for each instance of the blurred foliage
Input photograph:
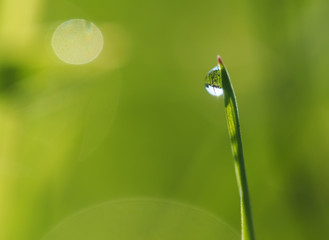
x,y
137,122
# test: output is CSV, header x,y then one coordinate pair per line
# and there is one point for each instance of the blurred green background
x,y
137,122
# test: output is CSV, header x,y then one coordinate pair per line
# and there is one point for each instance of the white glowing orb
x,y
77,41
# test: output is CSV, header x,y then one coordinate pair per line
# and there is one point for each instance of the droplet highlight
x,y
77,41
213,83
215,91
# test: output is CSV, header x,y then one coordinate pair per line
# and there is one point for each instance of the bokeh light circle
x,y
77,41
143,220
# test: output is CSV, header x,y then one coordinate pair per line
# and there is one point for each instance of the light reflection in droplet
x,y
213,90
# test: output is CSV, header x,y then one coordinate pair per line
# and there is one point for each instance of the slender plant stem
x,y
233,124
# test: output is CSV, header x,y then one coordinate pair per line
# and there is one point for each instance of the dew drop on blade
x,y
213,83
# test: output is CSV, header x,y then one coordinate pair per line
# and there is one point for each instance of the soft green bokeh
x,y
144,220
138,123
77,41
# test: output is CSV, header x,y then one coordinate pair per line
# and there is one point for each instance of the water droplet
x,y
213,83
77,41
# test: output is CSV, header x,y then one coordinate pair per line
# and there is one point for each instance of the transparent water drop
x,y
77,41
213,83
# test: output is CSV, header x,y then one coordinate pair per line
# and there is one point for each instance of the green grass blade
x,y
233,124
